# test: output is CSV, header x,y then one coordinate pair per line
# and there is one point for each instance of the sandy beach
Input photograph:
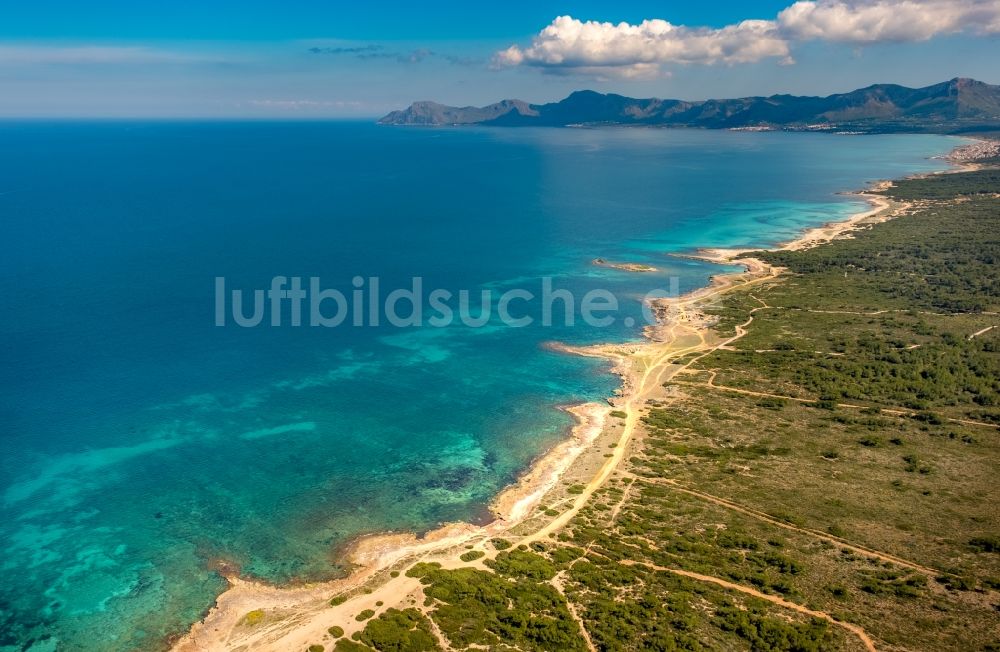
x,y
255,616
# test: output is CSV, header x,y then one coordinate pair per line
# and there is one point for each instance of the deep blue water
x,y
143,444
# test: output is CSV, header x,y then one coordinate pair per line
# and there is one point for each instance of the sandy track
x,y
817,534
773,599
710,384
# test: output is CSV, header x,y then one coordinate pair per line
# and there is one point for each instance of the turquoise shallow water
x,y
144,445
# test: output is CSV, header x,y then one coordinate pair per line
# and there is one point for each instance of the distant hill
x,y
949,107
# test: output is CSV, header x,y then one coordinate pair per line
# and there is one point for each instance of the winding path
x,y
749,511
773,599
710,384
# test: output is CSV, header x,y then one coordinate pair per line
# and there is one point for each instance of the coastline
x,y
298,616
305,611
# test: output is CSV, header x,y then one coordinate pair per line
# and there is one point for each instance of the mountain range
x,y
955,106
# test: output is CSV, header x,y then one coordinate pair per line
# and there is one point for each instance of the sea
x,y
153,434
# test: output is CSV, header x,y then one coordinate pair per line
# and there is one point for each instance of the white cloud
x,y
633,50
569,45
888,20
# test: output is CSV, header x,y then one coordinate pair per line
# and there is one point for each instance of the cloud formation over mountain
x,y
888,20
591,47
634,50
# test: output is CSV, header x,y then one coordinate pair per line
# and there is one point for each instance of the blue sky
x,y
304,59
269,20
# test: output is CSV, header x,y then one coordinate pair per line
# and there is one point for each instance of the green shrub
x,y
423,569
344,645
985,544
523,564
956,582
772,403
499,611
396,630
838,591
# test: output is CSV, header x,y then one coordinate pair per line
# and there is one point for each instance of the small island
x,y
625,267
